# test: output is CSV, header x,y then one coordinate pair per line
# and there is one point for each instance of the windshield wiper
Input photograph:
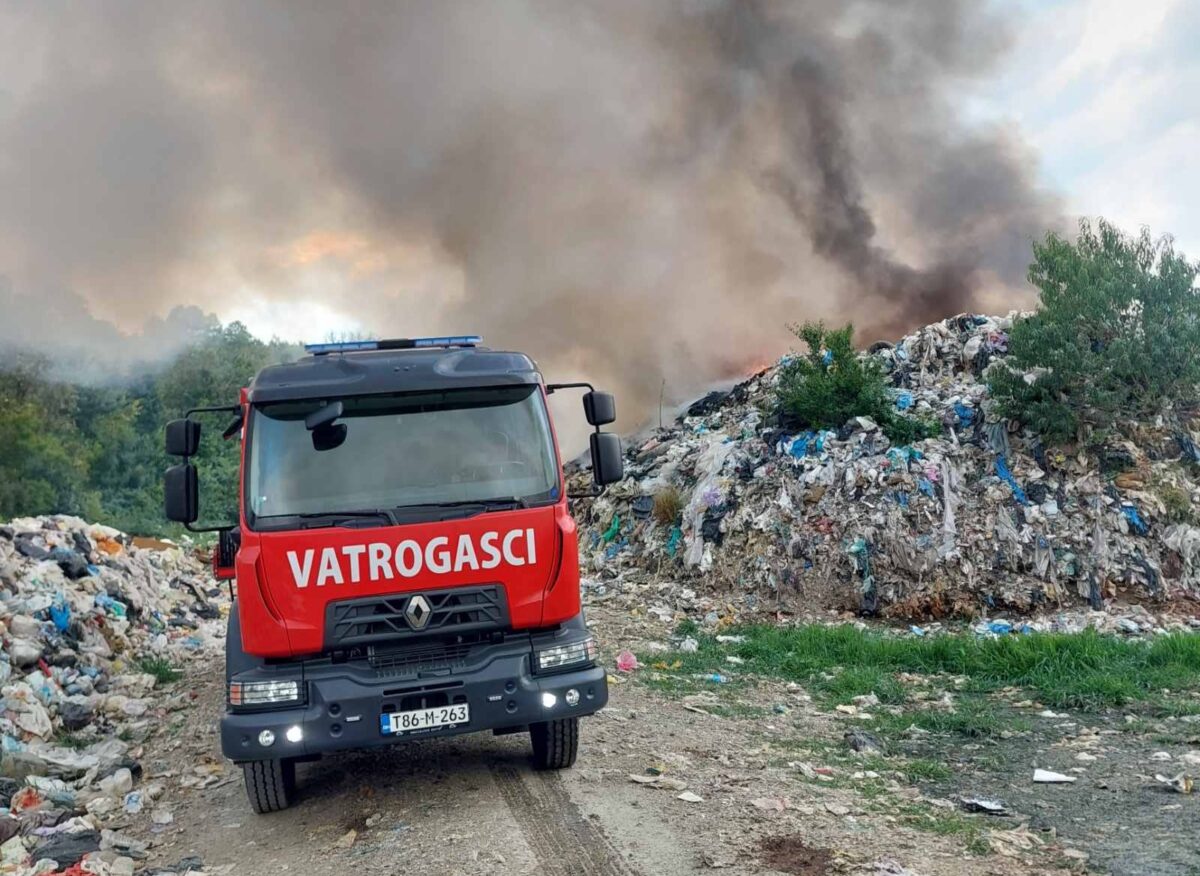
x,y
487,503
465,507
315,519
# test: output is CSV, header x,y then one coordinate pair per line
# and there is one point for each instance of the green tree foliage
x,y
42,459
97,451
1117,334
830,383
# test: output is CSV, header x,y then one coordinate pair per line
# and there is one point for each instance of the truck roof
x,y
338,375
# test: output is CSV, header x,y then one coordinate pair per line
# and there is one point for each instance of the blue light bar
x,y
393,344
452,341
342,347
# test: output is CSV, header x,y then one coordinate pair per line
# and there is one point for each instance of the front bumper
x,y
345,702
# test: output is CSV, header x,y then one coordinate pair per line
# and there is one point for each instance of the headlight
x,y
559,656
263,693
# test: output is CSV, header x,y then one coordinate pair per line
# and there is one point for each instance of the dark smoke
x,y
632,191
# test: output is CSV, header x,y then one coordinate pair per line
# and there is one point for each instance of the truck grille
x,y
411,662
452,610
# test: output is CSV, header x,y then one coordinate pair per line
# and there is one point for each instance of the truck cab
x,y
405,561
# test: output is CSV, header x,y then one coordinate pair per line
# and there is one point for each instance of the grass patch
x,y
160,668
921,769
74,741
853,681
944,822
972,719
1085,670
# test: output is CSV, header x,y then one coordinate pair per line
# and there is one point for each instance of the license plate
x,y
399,723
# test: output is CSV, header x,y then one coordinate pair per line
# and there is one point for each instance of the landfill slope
x,y
85,612
982,518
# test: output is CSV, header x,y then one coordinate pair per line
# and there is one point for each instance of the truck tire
x,y
555,743
270,784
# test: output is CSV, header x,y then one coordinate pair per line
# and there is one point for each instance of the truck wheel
x,y
270,784
555,743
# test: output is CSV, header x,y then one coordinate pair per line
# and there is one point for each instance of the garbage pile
x,y
93,627
730,512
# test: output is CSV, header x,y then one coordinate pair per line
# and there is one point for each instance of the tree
x,y
1117,334
97,451
43,465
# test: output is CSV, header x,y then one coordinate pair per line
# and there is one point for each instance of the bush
x,y
1177,503
830,384
668,505
1117,334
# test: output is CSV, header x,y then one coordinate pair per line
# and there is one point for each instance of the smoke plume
x,y
632,192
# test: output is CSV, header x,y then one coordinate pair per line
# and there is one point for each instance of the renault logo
x,y
417,612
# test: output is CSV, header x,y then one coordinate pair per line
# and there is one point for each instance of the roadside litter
x,y
1049,777
1183,783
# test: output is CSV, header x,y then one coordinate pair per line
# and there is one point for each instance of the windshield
x,y
431,448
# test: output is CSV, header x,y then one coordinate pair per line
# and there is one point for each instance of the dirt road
x,y
472,805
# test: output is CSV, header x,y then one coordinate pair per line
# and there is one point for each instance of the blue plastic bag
x,y
1005,475
60,613
1135,519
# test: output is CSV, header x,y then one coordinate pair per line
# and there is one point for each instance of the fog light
x,y
571,697
548,700
266,739
294,734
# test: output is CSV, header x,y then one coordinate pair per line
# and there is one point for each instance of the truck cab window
x,y
424,448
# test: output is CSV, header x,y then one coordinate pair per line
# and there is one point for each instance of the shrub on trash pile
x,y
668,505
1116,336
830,384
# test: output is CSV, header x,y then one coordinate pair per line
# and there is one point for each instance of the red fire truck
x,y
406,565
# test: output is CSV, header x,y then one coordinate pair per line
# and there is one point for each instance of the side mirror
x,y
607,465
180,493
600,408
329,436
183,437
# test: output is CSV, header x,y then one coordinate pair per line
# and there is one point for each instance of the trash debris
x,y
689,797
1015,842
626,662
1182,782
860,740
986,805
981,520
659,781
1051,777
95,627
